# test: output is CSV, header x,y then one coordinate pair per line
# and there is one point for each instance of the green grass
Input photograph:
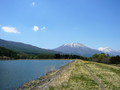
x,y
78,78
117,71
51,88
108,75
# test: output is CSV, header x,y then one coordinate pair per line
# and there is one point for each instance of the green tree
x,y
108,55
95,56
101,56
7,52
57,56
66,56
115,60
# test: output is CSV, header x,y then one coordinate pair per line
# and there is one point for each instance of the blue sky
x,y
51,23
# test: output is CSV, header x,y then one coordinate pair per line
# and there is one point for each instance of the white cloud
x,y
43,28
33,3
35,28
0,25
9,29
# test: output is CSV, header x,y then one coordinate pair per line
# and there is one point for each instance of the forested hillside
x,y
7,52
24,48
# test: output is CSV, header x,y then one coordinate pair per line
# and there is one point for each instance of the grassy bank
x,y
79,78
44,81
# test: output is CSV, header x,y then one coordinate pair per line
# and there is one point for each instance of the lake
x,y
13,73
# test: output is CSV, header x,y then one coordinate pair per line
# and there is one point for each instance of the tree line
x,y
4,52
50,56
7,52
103,58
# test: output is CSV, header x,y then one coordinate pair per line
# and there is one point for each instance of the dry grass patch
x,y
108,75
62,78
78,78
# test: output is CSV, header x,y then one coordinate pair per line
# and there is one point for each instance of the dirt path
x,y
94,77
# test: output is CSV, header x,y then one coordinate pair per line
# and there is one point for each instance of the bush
x,y
115,60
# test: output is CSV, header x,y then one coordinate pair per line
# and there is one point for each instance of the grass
x,y
76,78
108,75
111,68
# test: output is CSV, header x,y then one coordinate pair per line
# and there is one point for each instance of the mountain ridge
x,y
78,49
24,48
109,51
68,48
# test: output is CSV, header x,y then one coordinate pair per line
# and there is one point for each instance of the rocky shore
x,y
43,82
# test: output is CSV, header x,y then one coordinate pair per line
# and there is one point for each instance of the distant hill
x,y
24,48
7,52
109,51
78,49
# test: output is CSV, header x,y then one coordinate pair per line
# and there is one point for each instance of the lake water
x,y
14,73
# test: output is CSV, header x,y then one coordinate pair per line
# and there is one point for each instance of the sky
x,y
51,23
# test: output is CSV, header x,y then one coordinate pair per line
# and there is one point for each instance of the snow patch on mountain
x,y
107,49
74,45
77,49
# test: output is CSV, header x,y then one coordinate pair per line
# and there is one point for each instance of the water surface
x,y
14,73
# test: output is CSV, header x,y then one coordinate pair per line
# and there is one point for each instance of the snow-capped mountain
x,y
78,49
109,51
106,49
74,45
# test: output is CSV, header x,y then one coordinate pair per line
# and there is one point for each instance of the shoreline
x,y
45,80
36,59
